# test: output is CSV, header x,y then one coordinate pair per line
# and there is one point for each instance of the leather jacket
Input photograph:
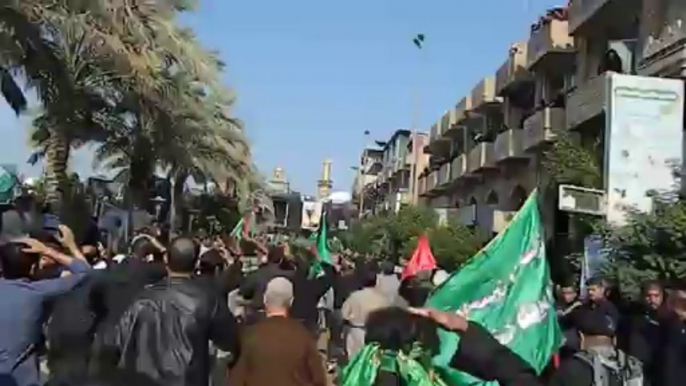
x,y
165,333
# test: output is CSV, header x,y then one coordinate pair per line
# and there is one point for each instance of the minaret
x,y
279,183
324,185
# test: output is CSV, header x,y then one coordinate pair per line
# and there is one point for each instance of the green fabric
x,y
321,244
506,288
245,227
364,367
8,185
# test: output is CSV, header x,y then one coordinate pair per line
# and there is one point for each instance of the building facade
x,y
386,176
487,151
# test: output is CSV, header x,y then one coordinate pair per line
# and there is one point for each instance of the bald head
x,y
183,255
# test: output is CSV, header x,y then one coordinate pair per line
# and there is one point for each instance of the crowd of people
x,y
187,312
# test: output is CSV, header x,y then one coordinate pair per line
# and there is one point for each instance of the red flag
x,y
422,259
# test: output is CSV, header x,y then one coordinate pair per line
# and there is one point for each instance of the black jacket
x,y
640,335
253,286
121,284
71,327
307,292
482,356
166,332
671,370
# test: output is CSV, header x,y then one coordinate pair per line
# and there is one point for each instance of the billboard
x,y
311,213
643,141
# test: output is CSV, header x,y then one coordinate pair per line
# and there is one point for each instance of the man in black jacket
x,y
165,333
671,369
253,286
482,356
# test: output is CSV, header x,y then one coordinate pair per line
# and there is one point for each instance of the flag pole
x,y
414,172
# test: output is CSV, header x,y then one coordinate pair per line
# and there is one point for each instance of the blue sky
x,y
312,75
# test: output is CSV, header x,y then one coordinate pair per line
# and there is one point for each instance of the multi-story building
x,y
487,151
364,186
384,181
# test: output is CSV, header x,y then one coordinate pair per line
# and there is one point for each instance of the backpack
x,y
613,370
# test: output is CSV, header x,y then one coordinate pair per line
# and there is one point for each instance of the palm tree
x,y
102,68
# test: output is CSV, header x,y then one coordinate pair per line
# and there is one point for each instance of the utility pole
x,y
414,171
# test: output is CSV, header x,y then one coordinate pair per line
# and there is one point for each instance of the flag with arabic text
x,y
506,288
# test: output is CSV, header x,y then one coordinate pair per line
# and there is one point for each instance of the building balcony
x,y
434,133
481,157
587,101
422,185
400,163
432,181
550,46
458,168
540,128
596,17
443,178
664,39
484,95
513,73
457,116
439,143
508,146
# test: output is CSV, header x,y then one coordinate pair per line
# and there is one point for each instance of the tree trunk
x,y
178,181
56,179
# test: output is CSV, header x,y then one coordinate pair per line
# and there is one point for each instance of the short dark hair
x,y
142,247
210,262
651,284
368,278
599,281
183,255
15,263
276,255
387,267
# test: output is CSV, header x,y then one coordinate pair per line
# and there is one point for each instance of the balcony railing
x,y
434,133
508,146
551,37
444,174
432,181
540,128
421,185
581,11
587,101
593,17
513,70
663,42
481,157
459,169
463,106
483,93
400,164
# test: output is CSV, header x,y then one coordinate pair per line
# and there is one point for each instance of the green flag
x,y
245,227
507,289
321,247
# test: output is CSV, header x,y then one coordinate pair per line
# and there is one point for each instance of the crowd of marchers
x,y
186,312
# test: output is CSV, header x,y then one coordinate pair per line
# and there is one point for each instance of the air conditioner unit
x,y
577,199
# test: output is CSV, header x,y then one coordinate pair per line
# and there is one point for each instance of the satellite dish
x,y
340,197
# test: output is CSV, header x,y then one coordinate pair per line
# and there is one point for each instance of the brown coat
x,y
278,352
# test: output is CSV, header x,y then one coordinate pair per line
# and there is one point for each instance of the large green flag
x,y
321,247
506,288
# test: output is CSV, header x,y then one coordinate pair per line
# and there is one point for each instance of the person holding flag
x,y
496,316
